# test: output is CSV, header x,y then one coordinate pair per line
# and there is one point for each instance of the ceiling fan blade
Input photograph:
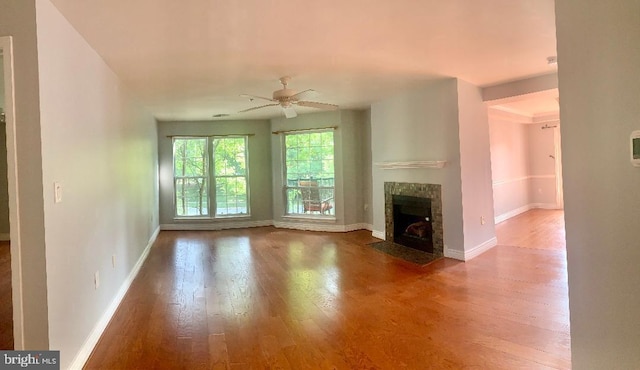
x,y
289,112
262,106
252,97
314,104
307,94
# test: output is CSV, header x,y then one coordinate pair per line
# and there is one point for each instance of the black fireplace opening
x,y
412,222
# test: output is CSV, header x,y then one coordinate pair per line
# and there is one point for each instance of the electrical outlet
x,y
482,220
113,260
96,279
366,207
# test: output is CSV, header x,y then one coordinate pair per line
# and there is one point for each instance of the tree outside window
x,y
309,173
193,172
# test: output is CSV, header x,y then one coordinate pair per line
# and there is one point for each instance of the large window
x,y
203,164
190,176
309,173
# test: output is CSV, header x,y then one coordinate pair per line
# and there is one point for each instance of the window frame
x,y
285,182
214,177
175,178
211,178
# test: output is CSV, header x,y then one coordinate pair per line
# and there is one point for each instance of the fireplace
x,y
412,222
413,216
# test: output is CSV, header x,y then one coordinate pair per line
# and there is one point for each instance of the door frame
x,y
6,45
558,167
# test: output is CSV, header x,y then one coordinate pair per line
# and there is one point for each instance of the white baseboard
x,y
5,237
544,206
360,226
85,350
308,226
316,226
453,253
217,225
479,249
507,215
471,253
379,234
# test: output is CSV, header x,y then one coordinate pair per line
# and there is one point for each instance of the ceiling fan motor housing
x,y
283,94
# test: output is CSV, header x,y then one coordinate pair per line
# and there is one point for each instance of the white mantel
x,y
410,164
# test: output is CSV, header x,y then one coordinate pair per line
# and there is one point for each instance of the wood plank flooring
x,y
267,298
6,304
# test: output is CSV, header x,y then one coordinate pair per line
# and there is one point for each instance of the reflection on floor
x,y
273,298
6,306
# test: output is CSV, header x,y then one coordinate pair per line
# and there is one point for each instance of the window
x,y
190,175
194,173
230,174
309,173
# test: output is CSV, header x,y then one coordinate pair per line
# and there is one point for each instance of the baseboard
x,y
308,226
85,350
507,215
471,253
479,249
360,226
544,206
217,225
366,226
453,253
5,237
379,234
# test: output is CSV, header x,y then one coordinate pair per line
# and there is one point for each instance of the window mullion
x,y
213,206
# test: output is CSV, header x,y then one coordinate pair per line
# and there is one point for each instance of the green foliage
x,y
229,156
190,159
310,155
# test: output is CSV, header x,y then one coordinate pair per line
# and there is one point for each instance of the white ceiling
x,y
191,59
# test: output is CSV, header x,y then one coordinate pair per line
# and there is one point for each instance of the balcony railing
x,y
310,197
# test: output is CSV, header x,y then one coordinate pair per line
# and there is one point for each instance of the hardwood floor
x,y
269,298
6,303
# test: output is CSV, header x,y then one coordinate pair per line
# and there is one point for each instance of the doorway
x,y
525,153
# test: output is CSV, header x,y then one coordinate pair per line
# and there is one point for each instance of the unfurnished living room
x,y
321,185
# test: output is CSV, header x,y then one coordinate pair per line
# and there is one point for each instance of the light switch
x,y
57,192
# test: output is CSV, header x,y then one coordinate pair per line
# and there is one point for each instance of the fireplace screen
x,y
412,222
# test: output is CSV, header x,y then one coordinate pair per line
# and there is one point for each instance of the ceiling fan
x,y
287,98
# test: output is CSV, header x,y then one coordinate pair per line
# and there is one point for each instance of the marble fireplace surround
x,y
431,191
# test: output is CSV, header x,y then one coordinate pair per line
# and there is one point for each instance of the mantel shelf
x,y
410,164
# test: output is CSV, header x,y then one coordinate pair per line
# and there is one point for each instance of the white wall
x,y
101,147
524,174
599,81
475,159
542,168
510,167
421,124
